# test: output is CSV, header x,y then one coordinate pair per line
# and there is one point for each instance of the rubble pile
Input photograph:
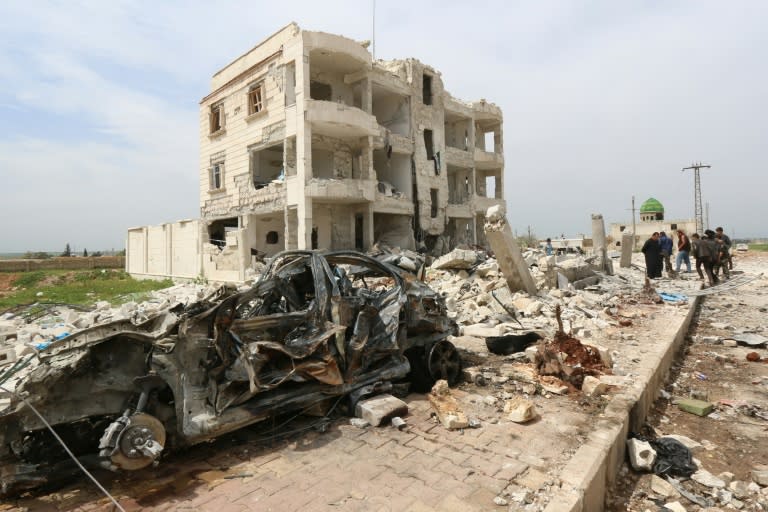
x,y
36,326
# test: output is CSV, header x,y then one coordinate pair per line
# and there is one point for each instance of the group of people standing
x,y
711,251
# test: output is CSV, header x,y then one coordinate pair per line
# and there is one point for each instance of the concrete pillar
x,y
508,254
599,244
627,240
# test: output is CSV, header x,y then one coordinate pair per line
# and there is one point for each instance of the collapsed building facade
x,y
307,142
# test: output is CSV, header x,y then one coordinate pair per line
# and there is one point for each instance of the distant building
x,y
307,142
651,220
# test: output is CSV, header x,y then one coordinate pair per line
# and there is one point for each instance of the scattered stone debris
x,y
520,410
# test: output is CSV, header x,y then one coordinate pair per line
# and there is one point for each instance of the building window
x,y
216,172
433,199
255,99
429,144
673,227
622,228
272,238
217,176
426,89
216,118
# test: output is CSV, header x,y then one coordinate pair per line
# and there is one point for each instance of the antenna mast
x,y
374,30
697,193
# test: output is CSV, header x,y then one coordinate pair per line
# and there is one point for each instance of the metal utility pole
x,y
634,226
706,214
696,167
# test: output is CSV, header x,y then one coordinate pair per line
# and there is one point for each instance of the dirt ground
x,y
734,436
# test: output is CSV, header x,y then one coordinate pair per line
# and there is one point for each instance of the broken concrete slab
x,y
456,259
446,407
662,487
380,409
593,387
694,406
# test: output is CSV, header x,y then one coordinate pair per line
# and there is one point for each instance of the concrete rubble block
x,y
675,506
508,255
480,331
552,384
7,355
760,476
739,489
530,353
663,488
605,355
593,387
446,407
456,259
475,375
534,308
487,268
495,213
520,410
694,406
641,455
707,479
380,409
519,372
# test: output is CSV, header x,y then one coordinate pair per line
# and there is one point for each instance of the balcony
x,y
344,190
458,157
339,120
463,210
482,204
485,160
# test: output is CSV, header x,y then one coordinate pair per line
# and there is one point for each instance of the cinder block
x,y
7,355
697,407
380,408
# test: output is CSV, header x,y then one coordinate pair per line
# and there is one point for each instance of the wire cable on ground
x,y
66,448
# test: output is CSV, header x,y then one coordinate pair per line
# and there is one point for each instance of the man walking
x,y
727,241
652,251
666,252
683,251
708,255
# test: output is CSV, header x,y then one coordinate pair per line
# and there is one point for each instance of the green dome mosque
x,y
651,210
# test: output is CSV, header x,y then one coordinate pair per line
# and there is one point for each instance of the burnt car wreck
x,y
314,326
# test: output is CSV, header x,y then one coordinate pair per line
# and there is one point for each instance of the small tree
x,y
67,251
85,253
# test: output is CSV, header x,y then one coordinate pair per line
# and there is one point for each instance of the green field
x,y
83,287
758,247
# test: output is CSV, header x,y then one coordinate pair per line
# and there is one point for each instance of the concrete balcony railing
x,y
340,120
345,190
458,157
485,160
482,204
463,210
395,205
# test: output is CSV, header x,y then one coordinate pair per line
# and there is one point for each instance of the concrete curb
x,y
594,466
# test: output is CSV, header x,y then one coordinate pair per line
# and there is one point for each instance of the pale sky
x,y
602,100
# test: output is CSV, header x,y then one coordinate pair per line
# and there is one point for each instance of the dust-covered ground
x,y
717,368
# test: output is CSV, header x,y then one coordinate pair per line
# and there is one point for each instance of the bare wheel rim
x,y
443,362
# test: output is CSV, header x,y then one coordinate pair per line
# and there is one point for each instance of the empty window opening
x,y
490,145
266,165
359,232
216,172
314,237
622,228
255,99
217,231
673,227
429,144
272,238
320,91
490,186
433,199
426,89
216,118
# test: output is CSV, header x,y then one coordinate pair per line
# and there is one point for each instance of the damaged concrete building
x,y
307,142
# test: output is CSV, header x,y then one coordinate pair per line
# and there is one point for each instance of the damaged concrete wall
x,y
171,249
